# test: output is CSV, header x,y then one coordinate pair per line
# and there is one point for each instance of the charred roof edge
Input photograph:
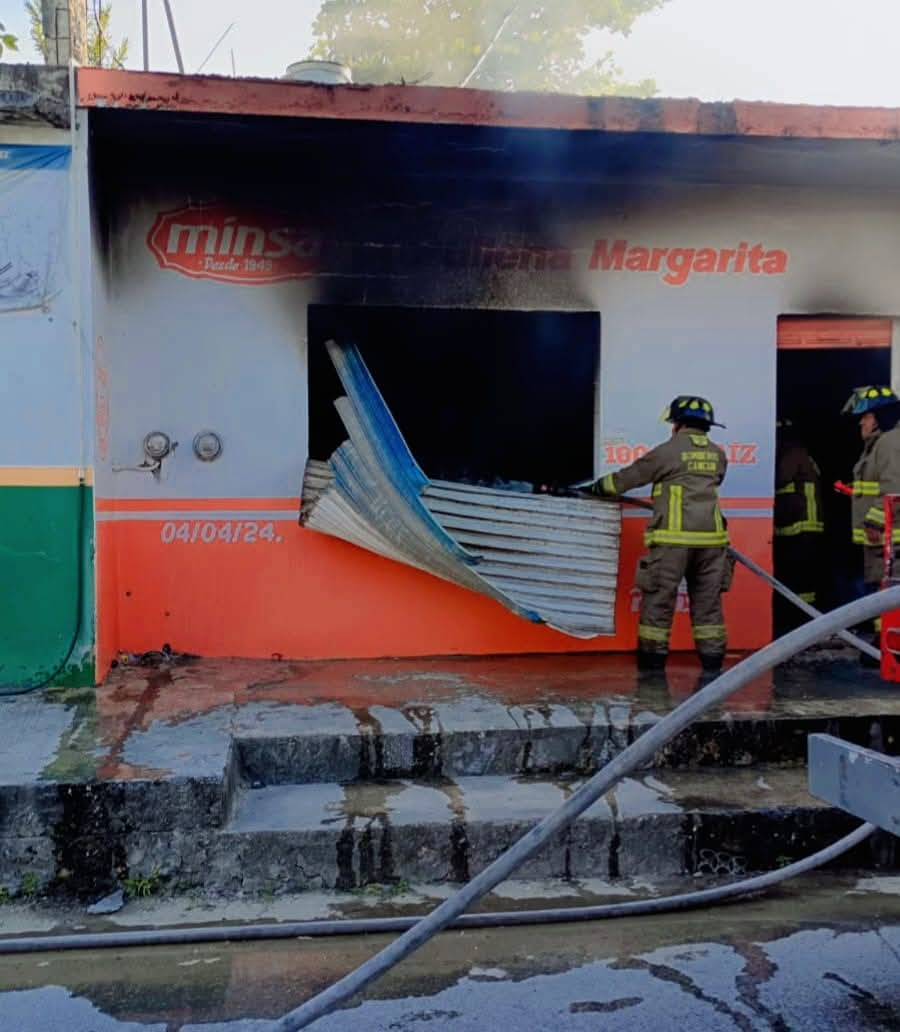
x,y
161,91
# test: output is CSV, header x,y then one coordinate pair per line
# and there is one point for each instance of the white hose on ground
x,y
638,753
846,636
332,926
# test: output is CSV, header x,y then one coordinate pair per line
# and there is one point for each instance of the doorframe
x,y
812,331
895,355
817,332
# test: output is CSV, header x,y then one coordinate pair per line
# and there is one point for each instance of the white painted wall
x,y
40,400
187,354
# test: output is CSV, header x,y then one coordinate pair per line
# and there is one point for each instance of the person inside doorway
x,y
686,536
876,474
799,528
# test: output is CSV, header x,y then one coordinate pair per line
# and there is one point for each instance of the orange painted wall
x,y
304,595
106,564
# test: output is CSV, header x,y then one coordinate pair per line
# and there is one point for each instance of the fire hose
x,y
450,914
636,755
846,636
329,927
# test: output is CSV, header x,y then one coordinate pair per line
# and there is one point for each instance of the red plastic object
x,y
842,488
890,621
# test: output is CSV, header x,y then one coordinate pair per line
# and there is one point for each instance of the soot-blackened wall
x,y
210,262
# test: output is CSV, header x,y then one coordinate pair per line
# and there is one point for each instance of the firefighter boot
x,y
651,661
712,663
711,667
654,691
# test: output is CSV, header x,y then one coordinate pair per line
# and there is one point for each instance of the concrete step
x,y
657,825
477,736
148,776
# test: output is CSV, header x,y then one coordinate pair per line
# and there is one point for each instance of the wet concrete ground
x,y
822,955
180,768
177,718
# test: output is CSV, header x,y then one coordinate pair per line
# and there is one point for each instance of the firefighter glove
x,y
605,486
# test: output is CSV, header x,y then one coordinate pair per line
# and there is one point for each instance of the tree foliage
x,y
490,44
36,27
102,52
7,40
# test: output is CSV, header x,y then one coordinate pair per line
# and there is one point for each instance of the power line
x,y
216,47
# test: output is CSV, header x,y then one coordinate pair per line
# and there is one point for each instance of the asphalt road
x,y
822,956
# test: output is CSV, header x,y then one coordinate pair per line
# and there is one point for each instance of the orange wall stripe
x,y
195,504
261,504
44,476
745,503
303,595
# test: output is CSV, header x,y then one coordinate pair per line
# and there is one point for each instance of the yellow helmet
x,y
690,408
867,399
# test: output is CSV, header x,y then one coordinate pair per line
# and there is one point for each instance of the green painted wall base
x,y
46,551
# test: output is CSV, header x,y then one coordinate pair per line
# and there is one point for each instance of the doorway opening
x,y
820,362
497,398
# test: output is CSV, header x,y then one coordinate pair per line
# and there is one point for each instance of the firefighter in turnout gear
x,y
799,530
876,474
686,536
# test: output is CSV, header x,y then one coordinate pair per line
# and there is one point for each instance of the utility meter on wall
x,y
207,446
157,445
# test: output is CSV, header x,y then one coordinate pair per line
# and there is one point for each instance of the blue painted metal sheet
x,y
550,560
861,781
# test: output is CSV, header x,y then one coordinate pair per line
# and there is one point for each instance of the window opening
x,y
498,398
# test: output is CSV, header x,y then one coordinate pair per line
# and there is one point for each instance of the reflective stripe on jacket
x,y
685,472
876,474
798,501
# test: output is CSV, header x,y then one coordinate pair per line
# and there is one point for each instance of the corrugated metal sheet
x,y
550,560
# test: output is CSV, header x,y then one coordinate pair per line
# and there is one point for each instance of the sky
x,y
798,51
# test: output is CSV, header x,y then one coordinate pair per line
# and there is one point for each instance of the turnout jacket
x,y
876,474
686,472
798,496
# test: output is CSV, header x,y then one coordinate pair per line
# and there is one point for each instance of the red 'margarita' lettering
x,y
678,264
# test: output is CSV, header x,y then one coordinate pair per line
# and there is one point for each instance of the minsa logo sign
x,y
218,242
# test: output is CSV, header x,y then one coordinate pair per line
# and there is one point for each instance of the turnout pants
x,y
708,573
873,566
873,572
797,564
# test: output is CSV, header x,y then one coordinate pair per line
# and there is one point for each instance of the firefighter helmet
x,y
867,399
690,408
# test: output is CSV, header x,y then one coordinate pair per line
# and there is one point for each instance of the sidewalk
x,y
187,766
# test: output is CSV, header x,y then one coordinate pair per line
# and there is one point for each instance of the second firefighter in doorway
x,y
686,536
876,474
799,529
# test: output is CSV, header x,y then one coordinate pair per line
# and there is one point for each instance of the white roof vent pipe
x,y
332,73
